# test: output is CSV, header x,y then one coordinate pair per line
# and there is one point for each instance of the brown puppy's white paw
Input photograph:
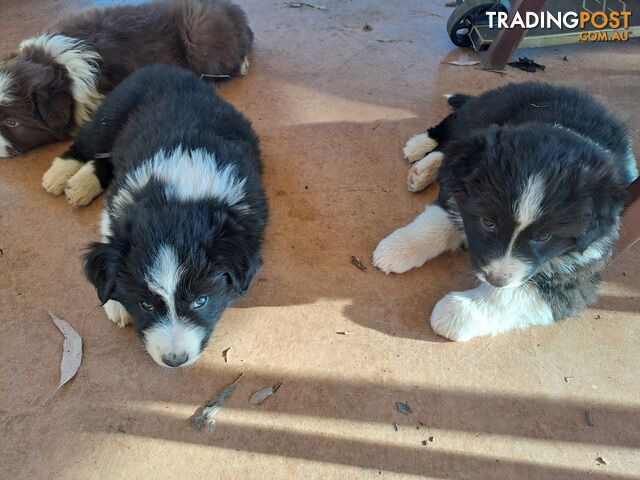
x,y
244,68
61,170
424,172
418,146
83,187
117,313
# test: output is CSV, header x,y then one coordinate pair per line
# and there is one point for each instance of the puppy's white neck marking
x,y
82,64
186,175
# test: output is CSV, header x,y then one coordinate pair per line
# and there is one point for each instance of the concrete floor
x,y
333,107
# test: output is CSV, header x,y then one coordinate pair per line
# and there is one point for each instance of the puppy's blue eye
x,y
199,302
11,123
146,306
542,238
487,224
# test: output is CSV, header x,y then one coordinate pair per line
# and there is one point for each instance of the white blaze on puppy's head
x,y
172,341
509,270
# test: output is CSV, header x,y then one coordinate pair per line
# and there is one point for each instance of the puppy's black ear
x,y
461,158
602,211
51,96
241,277
101,264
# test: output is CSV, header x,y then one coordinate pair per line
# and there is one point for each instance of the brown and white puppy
x,y
54,82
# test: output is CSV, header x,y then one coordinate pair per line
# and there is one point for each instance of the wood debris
x,y
589,418
403,408
463,63
207,413
208,75
305,4
358,263
225,354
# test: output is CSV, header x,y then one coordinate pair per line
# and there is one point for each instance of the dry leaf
x,y
601,460
225,354
261,395
403,408
72,350
463,63
207,414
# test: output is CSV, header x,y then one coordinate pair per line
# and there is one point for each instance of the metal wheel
x,y
466,15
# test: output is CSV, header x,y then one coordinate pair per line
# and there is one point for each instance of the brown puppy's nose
x,y
498,279
173,360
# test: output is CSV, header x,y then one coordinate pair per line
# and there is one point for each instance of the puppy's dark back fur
x,y
206,36
527,102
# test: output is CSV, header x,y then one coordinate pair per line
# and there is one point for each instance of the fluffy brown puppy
x,y
54,82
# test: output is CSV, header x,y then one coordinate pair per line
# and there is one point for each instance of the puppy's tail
x,y
456,100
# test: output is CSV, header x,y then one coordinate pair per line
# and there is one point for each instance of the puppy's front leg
x,y
486,310
117,313
429,235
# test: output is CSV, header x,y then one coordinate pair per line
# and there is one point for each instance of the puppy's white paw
x,y
424,172
55,179
244,68
117,313
418,146
395,254
83,187
456,317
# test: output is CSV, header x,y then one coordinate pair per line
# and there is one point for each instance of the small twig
x,y
538,106
304,4
359,265
208,75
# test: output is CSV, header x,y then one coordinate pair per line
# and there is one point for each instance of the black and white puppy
x,y
532,179
184,216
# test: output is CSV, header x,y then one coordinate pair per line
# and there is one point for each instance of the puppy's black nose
x,y
498,279
173,360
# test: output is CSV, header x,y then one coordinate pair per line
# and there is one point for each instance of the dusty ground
x,y
333,107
